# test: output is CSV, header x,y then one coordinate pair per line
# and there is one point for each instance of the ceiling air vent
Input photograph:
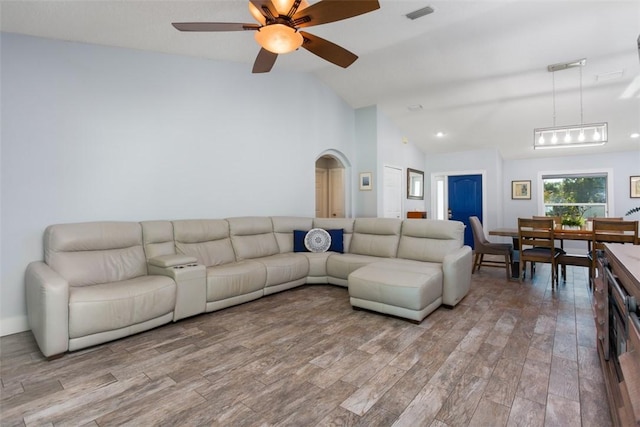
x,y
419,13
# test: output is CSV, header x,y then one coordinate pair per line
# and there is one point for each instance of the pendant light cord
x,y
581,120
553,82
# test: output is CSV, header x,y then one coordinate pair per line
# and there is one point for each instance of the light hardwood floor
x,y
510,354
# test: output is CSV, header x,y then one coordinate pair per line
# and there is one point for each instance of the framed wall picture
x,y
366,181
521,190
634,183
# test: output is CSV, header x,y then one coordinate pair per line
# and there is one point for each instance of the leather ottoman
x,y
391,289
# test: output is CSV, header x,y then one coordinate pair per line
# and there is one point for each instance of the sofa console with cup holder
x,y
101,281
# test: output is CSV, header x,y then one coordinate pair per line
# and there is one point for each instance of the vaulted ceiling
x,y
474,70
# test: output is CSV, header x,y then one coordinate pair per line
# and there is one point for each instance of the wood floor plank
x,y
295,357
370,392
563,380
460,405
534,381
489,413
562,412
526,413
423,408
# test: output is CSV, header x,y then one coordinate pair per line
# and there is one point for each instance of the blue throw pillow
x,y
337,240
298,241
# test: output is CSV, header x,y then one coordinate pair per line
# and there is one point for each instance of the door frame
x,y
446,175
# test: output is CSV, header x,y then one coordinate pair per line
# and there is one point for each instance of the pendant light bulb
x,y
541,139
581,136
567,137
596,135
554,138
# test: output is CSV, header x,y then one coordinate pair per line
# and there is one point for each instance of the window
x,y
576,196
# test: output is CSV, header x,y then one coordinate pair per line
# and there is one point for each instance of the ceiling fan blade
x,y
262,4
214,26
264,61
327,11
327,50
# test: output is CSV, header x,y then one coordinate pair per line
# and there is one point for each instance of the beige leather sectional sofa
x,y
106,280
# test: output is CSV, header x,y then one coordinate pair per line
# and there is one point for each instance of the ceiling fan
x,y
279,24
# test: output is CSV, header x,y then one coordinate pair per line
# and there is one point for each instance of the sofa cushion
x,y
341,265
283,227
429,239
232,280
157,237
252,237
284,268
344,224
376,237
110,306
95,252
207,240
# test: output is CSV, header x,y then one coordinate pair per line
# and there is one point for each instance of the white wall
x,y
623,165
488,162
95,133
392,151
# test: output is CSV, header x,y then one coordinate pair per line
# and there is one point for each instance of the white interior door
x,y
392,195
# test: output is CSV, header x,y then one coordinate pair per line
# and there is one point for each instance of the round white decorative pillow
x,y
317,240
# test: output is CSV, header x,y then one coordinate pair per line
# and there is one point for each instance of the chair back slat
x,y
557,220
536,232
614,231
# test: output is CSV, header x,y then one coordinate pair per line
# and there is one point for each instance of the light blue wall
x,y
501,211
95,133
366,161
396,152
622,165
487,162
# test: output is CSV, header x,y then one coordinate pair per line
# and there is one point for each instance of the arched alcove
x,y
333,185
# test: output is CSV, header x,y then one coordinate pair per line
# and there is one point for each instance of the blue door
x,y
465,200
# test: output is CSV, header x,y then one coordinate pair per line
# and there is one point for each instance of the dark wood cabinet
x,y
416,214
616,311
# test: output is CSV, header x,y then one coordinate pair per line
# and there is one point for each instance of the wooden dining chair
x,y
537,244
557,224
482,247
607,230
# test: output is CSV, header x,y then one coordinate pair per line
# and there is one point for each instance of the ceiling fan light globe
x,y
279,38
257,15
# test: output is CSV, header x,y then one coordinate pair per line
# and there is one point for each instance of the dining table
x,y
559,234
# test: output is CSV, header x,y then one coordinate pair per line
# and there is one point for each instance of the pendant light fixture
x,y
582,135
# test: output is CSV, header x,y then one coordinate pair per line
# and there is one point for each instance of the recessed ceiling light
x,y
440,134
635,135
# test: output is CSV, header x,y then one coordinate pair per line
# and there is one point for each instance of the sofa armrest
x,y
47,296
172,260
456,269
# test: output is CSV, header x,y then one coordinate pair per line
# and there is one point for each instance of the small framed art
x,y
366,181
634,183
521,190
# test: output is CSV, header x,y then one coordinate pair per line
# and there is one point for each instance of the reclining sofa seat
x,y
373,239
93,287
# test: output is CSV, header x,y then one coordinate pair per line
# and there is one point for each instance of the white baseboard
x,y
13,325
